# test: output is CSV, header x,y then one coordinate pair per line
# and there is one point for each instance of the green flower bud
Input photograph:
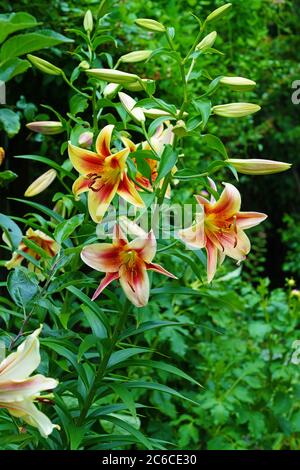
x,y
136,56
216,14
207,42
114,76
150,25
238,83
88,22
235,110
44,66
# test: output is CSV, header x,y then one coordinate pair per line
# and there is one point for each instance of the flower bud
x,y
216,14
88,23
150,25
180,129
85,139
291,282
136,56
46,127
41,183
2,155
257,166
238,83
114,76
235,110
154,113
111,90
207,42
129,105
84,65
295,293
44,66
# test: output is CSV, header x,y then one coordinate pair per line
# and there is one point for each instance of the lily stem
x,y
103,365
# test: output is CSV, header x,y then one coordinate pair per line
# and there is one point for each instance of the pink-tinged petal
x,y
212,259
31,415
85,161
119,239
129,144
103,257
194,236
159,269
246,220
20,364
103,141
109,277
241,249
128,192
143,181
213,186
135,283
100,198
81,185
145,247
18,390
202,200
228,204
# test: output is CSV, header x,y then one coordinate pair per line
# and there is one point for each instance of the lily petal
x,y
135,283
20,364
145,247
81,185
18,390
108,278
104,257
84,161
194,236
246,220
103,141
127,191
31,415
99,200
228,204
118,236
212,258
159,269
242,248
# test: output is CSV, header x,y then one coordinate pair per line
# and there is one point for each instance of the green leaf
x,y
92,305
11,230
15,22
78,104
167,161
10,121
47,161
204,108
149,325
67,227
123,355
7,177
129,428
30,42
95,321
12,67
22,286
160,388
215,143
54,215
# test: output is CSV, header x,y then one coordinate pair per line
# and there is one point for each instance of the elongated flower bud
x,y
154,113
2,155
258,167
44,66
219,12
207,42
88,22
129,104
150,25
85,139
114,76
136,56
235,110
111,90
238,83
41,183
136,86
46,127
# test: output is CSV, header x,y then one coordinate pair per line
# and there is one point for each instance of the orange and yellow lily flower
x,y
219,228
39,238
126,261
162,137
19,391
103,174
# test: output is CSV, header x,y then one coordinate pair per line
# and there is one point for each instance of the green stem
x,y
74,88
103,365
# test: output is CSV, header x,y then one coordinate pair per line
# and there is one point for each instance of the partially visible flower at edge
x,y
2,155
40,238
19,391
219,228
126,261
